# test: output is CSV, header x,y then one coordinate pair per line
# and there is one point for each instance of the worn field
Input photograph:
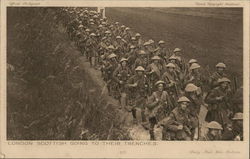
x,y
210,35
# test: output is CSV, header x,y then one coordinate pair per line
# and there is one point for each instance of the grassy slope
x,y
202,36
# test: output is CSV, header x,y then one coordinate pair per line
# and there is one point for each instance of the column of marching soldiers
x,y
145,74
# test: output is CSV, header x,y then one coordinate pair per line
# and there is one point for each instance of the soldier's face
x,y
140,73
224,85
124,63
183,105
156,61
178,53
220,69
172,61
171,69
160,87
215,132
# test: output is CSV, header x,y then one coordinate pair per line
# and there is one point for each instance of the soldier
x,y
132,55
109,69
213,133
235,131
120,45
155,69
195,77
220,73
91,49
161,50
177,124
138,91
191,61
142,60
127,34
121,74
194,108
172,81
139,40
148,49
158,106
219,104
182,64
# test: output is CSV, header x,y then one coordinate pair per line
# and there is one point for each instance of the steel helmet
x,y
111,47
139,68
155,58
146,43
91,20
80,26
214,125
137,34
92,34
112,56
159,82
123,59
151,41
100,26
142,52
191,87
116,23
123,26
92,23
107,32
192,61
127,28
133,38
223,79
220,64
161,42
132,47
238,116
170,65
177,50
194,66
87,30
118,37
183,99
172,57
103,23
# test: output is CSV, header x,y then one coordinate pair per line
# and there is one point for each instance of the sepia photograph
x,y
121,73
124,79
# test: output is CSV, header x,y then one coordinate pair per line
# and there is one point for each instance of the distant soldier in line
x,y
141,60
177,125
220,73
131,55
161,50
219,103
91,49
158,106
172,80
127,34
155,70
213,133
139,40
180,61
195,77
138,86
109,69
121,75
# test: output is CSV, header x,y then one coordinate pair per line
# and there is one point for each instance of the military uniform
x,y
218,109
177,117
